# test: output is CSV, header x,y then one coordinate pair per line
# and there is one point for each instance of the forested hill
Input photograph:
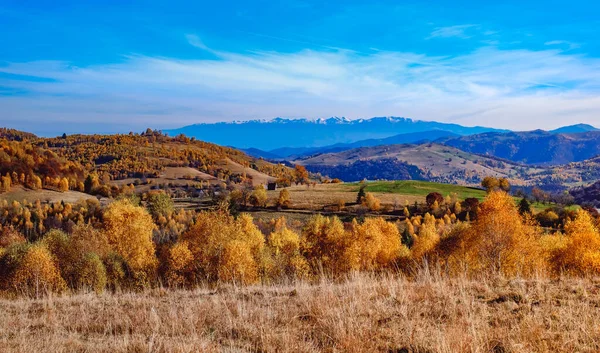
x,y
67,162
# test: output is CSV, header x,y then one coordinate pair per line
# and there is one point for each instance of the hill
x,y
573,129
532,147
432,162
105,164
295,153
587,195
422,189
303,133
446,164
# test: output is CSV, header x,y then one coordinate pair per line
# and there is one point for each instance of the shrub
x,y
91,273
209,241
372,202
580,252
284,246
324,244
179,260
117,271
34,270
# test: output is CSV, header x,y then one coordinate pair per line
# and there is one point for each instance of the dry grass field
x,y
320,195
19,193
361,314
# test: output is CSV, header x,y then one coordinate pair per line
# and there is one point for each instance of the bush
x,y
32,270
580,252
324,244
372,202
91,273
209,241
284,248
117,271
179,264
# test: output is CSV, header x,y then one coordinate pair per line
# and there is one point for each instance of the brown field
x,y
257,177
320,195
19,193
362,314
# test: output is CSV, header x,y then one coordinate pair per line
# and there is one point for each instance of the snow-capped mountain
x,y
281,132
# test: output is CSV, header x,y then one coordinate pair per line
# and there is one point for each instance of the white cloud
x,y
518,89
195,41
563,43
458,31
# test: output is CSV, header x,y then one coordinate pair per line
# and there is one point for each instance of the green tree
x,y
361,192
524,207
160,204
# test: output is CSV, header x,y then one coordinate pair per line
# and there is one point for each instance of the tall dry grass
x,y
365,313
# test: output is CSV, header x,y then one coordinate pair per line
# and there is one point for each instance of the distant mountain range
x,y
290,139
532,147
299,152
304,133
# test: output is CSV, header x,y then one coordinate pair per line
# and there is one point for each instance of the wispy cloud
x,y
457,31
195,41
519,89
563,43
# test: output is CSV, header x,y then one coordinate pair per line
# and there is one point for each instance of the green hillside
x,y
420,188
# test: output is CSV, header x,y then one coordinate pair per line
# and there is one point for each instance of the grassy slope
x,y
362,314
420,188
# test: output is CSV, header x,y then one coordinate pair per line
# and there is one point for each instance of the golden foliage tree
x,y
284,246
580,252
284,199
129,234
500,241
236,263
372,202
375,244
34,270
63,185
209,242
427,238
258,198
324,244
179,264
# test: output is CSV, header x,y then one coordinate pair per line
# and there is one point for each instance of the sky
x,y
119,66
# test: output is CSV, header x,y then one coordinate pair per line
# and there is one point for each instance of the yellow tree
x,y
35,271
372,202
284,199
63,185
258,198
375,244
129,233
216,239
324,244
284,246
427,238
500,241
580,254
178,264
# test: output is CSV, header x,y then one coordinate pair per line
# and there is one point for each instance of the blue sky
x,y
116,66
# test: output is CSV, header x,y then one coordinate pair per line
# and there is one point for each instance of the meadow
x,y
363,313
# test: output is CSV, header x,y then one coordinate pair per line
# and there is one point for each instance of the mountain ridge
x,y
293,133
